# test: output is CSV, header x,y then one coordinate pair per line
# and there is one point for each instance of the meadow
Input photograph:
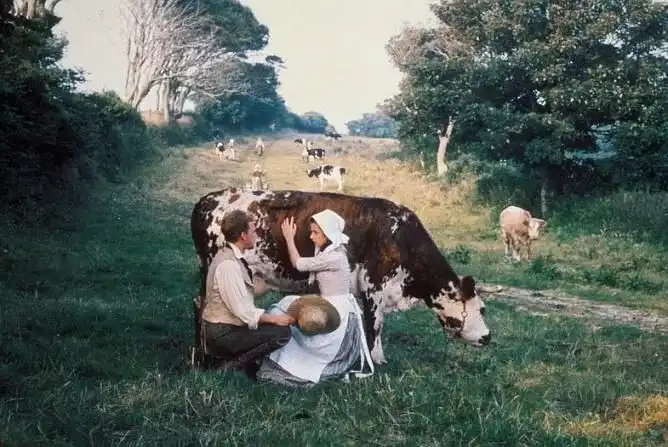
x,y
96,324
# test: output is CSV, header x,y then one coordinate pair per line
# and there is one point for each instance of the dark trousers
x,y
237,347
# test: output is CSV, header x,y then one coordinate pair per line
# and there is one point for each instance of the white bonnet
x,y
332,225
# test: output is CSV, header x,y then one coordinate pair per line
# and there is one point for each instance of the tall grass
x,y
641,215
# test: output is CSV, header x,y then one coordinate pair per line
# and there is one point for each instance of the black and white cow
x,y
313,154
220,149
331,135
328,173
394,259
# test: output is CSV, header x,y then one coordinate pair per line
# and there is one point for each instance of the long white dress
x,y
307,360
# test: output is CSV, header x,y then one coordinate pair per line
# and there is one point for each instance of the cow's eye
x,y
482,311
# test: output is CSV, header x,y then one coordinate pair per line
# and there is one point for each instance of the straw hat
x,y
314,314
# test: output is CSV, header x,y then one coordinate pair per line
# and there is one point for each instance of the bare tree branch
x,y
32,8
413,44
169,44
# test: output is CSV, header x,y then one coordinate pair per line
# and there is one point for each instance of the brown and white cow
x,y
394,259
518,228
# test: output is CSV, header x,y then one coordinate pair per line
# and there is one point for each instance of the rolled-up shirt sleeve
x,y
320,263
229,278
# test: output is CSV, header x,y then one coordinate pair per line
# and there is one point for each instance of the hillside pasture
x,y
97,326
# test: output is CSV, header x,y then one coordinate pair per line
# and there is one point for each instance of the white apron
x,y
306,356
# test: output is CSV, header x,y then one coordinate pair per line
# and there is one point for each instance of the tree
x,y
29,9
247,111
233,25
55,141
540,80
179,48
313,122
376,125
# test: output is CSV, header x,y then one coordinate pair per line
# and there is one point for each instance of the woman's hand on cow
x,y
289,228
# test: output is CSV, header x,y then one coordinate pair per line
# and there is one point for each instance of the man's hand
x,y
278,320
284,320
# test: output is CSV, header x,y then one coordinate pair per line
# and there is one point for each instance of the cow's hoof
x,y
378,360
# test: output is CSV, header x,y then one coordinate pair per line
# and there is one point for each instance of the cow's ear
x,y
467,287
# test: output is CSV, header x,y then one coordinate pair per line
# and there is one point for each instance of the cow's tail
x,y
198,233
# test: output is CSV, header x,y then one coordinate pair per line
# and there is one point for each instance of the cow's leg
x,y
377,354
528,244
340,184
373,326
516,249
506,242
322,183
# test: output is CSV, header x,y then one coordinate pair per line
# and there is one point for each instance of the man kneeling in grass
x,y
235,332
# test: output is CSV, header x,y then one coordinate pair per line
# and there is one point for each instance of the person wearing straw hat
x,y
328,340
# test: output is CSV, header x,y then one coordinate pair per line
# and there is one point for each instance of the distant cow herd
x,y
518,227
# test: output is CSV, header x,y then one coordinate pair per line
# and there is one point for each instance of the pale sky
x,y
334,50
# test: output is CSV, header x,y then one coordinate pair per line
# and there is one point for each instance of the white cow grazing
x,y
220,149
328,173
259,146
519,228
229,153
258,179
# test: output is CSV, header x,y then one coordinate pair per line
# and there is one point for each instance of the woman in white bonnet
x,y
307,360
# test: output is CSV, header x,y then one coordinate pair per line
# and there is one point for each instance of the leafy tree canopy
x,y
376,125
534,80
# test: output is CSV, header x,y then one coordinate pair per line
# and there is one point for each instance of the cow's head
x,y
534,226
313,172
461,313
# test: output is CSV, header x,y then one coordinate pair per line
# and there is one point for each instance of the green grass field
x,y
96,327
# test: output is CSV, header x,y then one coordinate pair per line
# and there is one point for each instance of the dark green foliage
x,y
173,134
234,24
313,122
544,83
640,214
375,125
256,110
53,140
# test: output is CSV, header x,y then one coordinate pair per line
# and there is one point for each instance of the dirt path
x,y
548,302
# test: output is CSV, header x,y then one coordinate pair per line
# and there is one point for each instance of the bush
x,y
640,214
461,254
501,185
543,267
54,141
